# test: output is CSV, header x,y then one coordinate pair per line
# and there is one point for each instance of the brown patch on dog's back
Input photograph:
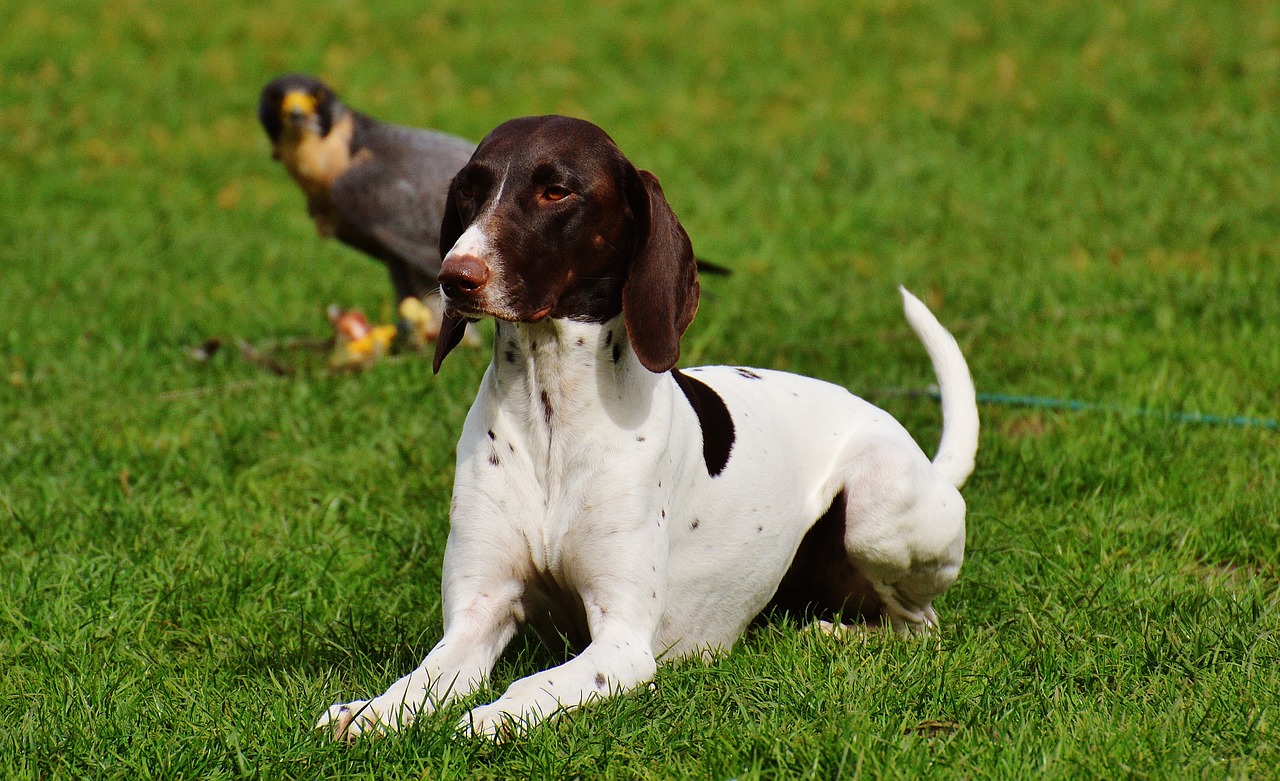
x,y
713,418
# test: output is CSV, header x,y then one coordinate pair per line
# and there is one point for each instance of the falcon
x,y
376,187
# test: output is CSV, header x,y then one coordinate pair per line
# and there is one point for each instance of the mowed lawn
x,y
197,558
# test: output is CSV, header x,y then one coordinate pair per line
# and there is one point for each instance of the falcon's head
x,y
297,105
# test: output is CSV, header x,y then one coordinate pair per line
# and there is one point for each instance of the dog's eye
x,y
554,193
466,190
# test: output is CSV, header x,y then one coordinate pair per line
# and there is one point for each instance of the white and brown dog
x,y
641,511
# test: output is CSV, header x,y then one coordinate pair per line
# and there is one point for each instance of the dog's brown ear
x,y
660,295
451,328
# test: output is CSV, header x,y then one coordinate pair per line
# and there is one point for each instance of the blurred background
x,y
1028,164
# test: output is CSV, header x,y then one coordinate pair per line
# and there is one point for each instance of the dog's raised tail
x,y
959,442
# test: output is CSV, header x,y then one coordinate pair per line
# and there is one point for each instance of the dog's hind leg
x,y
904,531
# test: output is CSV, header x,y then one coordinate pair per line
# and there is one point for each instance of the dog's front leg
x,y
623,605
480,619
614,662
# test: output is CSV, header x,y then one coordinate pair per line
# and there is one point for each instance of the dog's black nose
x,y
463,276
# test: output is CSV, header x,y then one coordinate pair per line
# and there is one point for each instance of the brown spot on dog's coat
x,y
713,418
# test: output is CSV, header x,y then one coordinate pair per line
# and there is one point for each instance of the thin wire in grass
x,y
1076,405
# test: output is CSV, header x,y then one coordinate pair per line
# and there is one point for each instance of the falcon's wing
x,y
392,198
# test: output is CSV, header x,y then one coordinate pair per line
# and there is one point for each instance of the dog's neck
x,y
562,375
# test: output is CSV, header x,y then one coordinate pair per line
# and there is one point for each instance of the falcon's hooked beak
x,y
298,110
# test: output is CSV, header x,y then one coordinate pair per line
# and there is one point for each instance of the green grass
x,y
196,559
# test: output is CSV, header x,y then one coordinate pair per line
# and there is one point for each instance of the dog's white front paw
x,y
346,721
493,721
350,721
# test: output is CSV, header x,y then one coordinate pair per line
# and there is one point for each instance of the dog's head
x,y
550,219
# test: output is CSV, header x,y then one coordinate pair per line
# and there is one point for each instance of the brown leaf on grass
x,y
264,359
1230,572
1030,426
931,727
